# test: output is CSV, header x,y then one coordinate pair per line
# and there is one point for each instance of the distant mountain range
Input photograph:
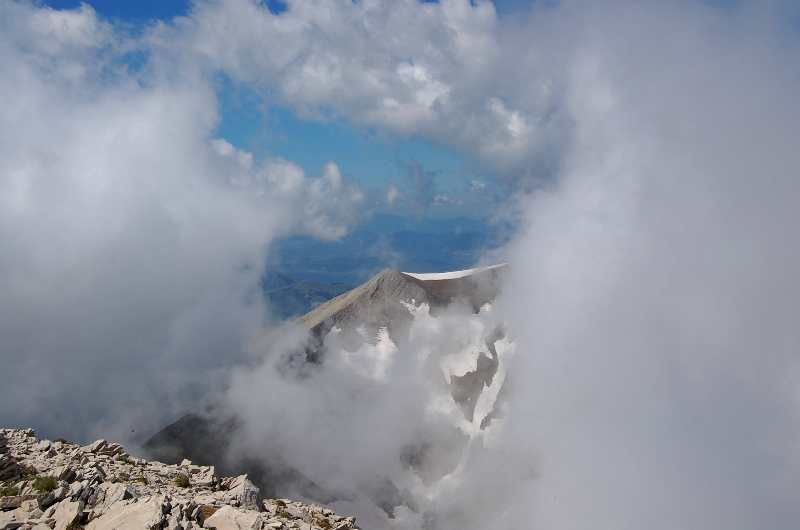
x,y
289,297
304,272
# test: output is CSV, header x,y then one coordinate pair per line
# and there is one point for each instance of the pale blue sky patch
x,y
374,160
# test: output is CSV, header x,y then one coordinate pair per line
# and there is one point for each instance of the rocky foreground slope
x,y
47,485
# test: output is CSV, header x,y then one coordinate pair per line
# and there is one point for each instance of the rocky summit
x,y
57,485
381,301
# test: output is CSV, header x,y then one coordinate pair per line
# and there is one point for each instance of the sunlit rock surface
x,y
64,486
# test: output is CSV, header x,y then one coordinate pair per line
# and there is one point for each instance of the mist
x,y
649,371
132,239
651,359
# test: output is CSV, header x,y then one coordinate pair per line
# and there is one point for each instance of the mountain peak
x,y
381,301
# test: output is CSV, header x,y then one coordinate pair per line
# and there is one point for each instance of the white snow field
x,y
452,275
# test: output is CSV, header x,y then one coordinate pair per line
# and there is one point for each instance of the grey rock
x,y
245,493
48,499
229,518
9,519
118,492
95,501
97,446
174,522
146,515
29,505
67,513
11,471
10,503
96,498
67,473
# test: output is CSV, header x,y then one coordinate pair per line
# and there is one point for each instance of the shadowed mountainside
x,y
379,303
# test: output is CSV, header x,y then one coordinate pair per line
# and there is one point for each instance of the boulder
x,y
66,473
146,515
173,522
48,499
229,518
10,471
29,505
118,492
247,494
97,446
67,514
9,503
9,523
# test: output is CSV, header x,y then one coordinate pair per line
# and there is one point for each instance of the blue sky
x,y
376,161
360,153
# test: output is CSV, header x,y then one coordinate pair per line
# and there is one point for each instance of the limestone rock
x,y
68,513
147,515
102,488
229,518
243,492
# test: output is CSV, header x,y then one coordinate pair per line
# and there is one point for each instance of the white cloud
x,y
476,187
392,194
438,71
131,242
653,300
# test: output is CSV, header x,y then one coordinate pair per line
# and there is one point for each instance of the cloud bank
x,y
653,302
132,241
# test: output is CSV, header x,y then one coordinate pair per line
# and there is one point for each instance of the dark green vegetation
x,y
8,491
44,484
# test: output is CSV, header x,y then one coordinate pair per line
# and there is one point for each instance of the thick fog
x,y
649,375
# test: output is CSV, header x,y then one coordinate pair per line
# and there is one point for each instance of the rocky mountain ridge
x,y
382,309
57,485
381,302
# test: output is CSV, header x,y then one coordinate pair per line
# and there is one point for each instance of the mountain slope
x,y
380,302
